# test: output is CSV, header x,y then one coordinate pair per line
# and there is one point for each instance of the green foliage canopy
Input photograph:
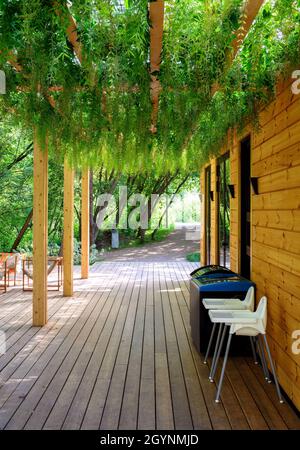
x,y
102,113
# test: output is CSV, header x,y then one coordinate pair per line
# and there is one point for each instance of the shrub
x,y
193,257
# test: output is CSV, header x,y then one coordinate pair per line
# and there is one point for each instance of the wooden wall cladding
x,y
276,230
275,233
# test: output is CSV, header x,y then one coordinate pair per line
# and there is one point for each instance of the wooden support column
x,y
235,204
85,223
203,219
214,214
68,248
40,233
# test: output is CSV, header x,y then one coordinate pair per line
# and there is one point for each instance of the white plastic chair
x,y
231,303
224,304
244,323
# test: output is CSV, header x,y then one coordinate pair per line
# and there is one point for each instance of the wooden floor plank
x,y
61,391
289,416
83,394
130,403
252,413
125,362
164,406
29,357
101,314
24,337
34,384
119,354
181,406
147,407
94,412
263,402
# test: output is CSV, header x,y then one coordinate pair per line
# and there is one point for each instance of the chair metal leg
x,y
216,349
223,369
218,355
263,359
210,342
273,370
253,350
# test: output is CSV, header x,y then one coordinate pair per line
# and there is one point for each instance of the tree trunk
x,y
95,229
19,158
181,184
22,231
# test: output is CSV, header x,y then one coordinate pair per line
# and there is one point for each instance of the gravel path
x,y
174,248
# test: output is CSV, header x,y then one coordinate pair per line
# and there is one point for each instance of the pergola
x,y
40,194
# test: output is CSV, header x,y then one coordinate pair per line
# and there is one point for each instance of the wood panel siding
x,y
275,230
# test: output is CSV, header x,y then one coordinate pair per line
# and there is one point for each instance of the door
x,y
224,210
208,214
246,207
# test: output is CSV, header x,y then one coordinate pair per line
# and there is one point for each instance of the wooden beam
x,y
156,15
85,223
251,9
68,244
40,233
71,32
73,38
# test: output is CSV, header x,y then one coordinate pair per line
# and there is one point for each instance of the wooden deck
x,y
119,356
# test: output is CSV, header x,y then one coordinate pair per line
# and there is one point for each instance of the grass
x,y
193,257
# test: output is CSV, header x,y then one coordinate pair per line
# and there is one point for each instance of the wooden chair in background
x,y
12,266
3,274
53,262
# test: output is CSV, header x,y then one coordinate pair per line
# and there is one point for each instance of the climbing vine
x,y
98,110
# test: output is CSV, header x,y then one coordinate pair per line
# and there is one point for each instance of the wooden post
x,y
203,219
91,207
40,233
68,246
85,223
214,213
